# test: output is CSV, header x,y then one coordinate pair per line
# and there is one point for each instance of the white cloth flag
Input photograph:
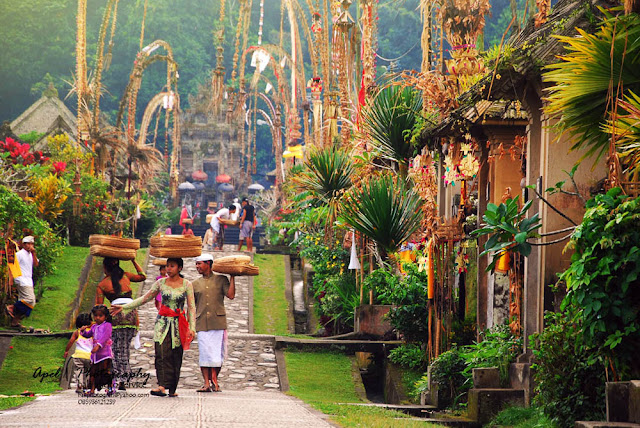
x,y
354,263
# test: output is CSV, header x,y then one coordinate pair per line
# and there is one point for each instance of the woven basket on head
x,y
114,241
175,241
159,262
233,260
179,252
187,221
235,265
113,252
239,270
229,222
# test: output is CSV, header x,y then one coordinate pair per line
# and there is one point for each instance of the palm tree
x,y
598,69
326,176
388,121
386,210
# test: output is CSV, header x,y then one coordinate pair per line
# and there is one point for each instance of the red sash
x,y
183,325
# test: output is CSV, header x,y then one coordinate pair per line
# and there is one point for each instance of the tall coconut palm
x,y
326,176
386,210
388,121
598,69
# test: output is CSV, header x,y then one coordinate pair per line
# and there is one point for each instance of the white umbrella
x,y
256,186
186,186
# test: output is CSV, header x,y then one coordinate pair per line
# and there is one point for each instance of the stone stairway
x,y
251,361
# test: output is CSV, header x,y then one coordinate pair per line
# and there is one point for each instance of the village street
x,y
249,381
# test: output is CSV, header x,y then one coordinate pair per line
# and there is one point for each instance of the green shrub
x,y
499,348
448,372
409,297
603,280
452,371
410,356
569,375
26,222
522,417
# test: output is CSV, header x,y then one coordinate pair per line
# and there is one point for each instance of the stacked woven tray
x,y
235,265
175,246
229,222
114,247
159,262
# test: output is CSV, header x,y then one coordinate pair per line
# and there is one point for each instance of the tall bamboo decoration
x,y
343,60
81,69
369,41
462,35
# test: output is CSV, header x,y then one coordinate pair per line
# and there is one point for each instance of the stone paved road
x,y
190,409
251,361
249,380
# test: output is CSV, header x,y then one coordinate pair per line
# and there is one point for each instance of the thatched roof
x,y
527,54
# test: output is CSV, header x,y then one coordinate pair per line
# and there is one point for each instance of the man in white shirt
x,y
236,214
218,229
24,283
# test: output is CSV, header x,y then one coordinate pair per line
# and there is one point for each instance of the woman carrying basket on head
x,y
116,287
173,331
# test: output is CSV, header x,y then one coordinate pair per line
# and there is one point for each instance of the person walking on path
x,y
248,223
218,230
101,373
173,331
26,301
211,320
81,357
116,287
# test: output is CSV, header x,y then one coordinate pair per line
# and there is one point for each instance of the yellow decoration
x,y
502,266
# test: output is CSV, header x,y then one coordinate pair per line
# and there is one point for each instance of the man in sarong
x,y
27,260
211,320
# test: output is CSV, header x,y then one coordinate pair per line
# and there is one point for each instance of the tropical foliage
x,y
389,119
598,69
326,177
384,209
569,375
509,229
602,279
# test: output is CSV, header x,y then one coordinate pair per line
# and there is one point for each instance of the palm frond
x,y
388,120
386,210
582,81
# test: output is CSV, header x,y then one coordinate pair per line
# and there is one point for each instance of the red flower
x,y
59,167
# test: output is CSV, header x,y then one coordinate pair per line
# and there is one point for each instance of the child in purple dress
x,y
101,373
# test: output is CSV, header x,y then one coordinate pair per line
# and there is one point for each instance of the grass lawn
x,y
324,380
20,368
270,307
60,290
9,402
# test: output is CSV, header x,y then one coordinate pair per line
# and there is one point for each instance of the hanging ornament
x,y
450,171
469,166
354,263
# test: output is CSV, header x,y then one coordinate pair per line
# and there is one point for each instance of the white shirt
x,y
25,259
236,213
215,221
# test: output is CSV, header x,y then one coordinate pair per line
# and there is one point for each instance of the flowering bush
x,y
20,153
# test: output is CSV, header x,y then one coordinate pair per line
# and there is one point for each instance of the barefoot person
x,y
172,333
116,287
211,320
24,283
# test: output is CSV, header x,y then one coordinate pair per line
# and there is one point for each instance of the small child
x,y
101,373
82,355
163,274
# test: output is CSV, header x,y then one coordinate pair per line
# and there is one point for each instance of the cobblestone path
x,y
251,361
251,396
